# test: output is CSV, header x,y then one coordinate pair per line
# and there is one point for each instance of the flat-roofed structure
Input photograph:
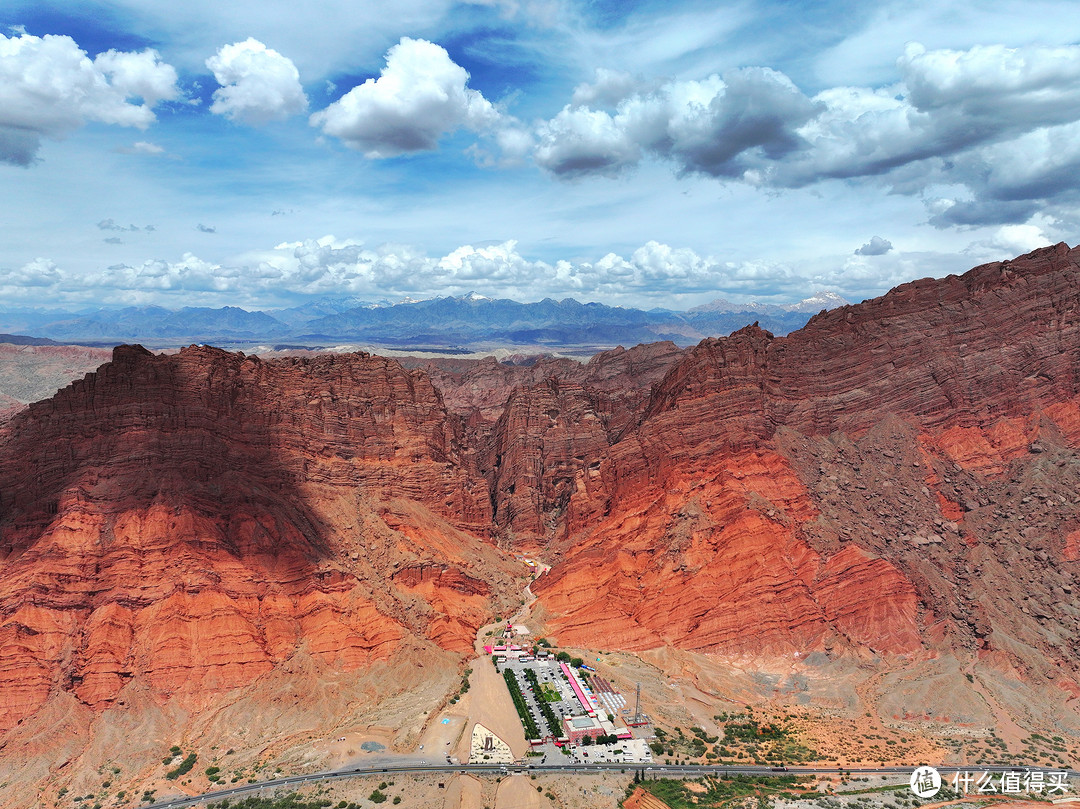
x,y
578,727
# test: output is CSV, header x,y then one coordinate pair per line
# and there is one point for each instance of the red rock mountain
x,y
896,480
555,419
898,476
188,522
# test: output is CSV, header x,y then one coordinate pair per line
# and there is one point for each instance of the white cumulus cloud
x,y
1036,83
607,89
999,126
331,266
142,75
722,126
1009,241
258,84
420,96
948,104
49,87
41,272
581,141
877,246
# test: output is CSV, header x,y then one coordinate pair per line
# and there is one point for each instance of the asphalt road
x,y
652,769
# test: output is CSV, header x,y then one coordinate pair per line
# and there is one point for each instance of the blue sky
x,y
647,154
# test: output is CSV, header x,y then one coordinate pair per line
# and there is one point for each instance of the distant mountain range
x,y
465,322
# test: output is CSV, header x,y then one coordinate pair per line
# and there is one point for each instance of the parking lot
x,y
627,751
547,671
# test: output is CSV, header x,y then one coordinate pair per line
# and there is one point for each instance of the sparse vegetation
x,y
184,768
290,801
745,737
463,689
714,792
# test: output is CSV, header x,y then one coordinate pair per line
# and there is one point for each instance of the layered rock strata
x,y
896,477
189,522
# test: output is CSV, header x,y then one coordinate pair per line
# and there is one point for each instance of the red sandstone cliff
x,y
479,388
898,476
189,522
541,428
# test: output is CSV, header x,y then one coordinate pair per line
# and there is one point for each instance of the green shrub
x,y
184,768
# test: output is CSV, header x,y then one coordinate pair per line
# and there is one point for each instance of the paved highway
x,y
652,769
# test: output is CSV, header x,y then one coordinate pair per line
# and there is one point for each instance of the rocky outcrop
x,y
479,389
541,426
440,576
865,483
715,559
188,522
545,445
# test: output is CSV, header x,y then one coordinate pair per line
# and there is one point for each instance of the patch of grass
x,y
290,801
678,795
